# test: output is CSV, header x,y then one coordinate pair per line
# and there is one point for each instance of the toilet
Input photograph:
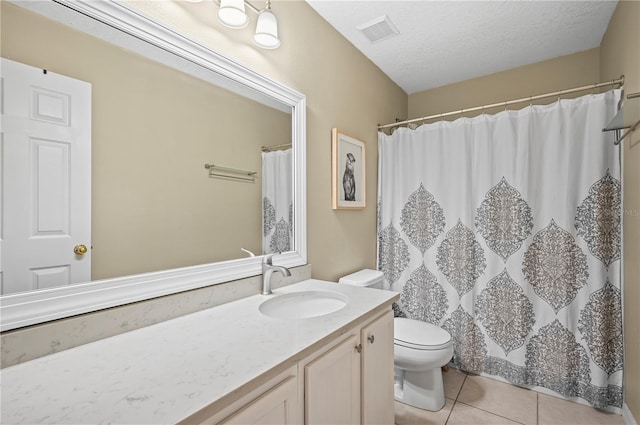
x,y
420,349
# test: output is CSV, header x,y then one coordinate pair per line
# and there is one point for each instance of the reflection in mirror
x,y
152,127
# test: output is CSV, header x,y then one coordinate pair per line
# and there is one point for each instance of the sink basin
x,y
303,304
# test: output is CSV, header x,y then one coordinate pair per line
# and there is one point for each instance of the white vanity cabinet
x,y
226,365
352,382
348,380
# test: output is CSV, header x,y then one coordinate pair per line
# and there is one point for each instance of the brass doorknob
x,y
80,249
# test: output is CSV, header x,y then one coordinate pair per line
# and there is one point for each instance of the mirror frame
x,y
29,308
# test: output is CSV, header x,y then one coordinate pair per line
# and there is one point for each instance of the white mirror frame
x,y
29,308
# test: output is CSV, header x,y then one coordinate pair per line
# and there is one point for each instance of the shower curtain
x,y
277,202
505,230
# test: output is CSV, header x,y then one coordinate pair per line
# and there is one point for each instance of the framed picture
x,y
348,172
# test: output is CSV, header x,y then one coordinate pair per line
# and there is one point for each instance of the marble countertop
x,y
166,372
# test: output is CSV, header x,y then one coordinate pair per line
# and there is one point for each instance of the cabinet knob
x,y
359,348
371,338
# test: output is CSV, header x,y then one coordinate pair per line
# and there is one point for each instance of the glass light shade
x,y
266,35
232,14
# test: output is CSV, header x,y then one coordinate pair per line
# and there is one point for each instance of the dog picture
x,y
348,179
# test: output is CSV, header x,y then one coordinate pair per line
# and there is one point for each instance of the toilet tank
x,y
364,278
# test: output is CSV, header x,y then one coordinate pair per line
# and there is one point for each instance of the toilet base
x,y
424,390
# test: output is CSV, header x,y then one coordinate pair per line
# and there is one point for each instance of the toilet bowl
x,y
420,350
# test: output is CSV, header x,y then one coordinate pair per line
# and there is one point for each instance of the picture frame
x,y
348,172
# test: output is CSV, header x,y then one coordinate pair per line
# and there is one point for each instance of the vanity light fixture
x,y
266,35
232,14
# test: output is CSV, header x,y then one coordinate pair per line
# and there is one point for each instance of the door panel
x,y
377,371
332,386
46,179
50,179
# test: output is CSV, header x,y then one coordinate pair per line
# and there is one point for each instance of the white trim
x,y
28,308
626,413
627,416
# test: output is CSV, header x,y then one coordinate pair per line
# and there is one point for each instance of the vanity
x,y
228,364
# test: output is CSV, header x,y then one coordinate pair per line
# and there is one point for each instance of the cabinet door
x,y
377,371
275,407
332,385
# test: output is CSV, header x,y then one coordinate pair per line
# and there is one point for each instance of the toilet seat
x,y
419,335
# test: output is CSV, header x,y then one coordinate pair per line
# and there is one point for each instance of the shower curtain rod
x,y
619,81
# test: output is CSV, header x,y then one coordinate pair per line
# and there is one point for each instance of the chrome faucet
x,y
267,270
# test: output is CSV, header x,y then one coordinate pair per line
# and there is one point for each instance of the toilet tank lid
x,y
418,333
366,277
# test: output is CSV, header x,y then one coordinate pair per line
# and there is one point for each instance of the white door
x,y
46,179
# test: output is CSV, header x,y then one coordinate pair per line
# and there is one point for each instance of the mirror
x,y
161,223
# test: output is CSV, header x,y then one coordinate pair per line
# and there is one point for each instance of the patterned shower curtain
x,y
277,202
505,230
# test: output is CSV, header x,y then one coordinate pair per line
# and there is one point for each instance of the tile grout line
x,y
455,401
537,408
460,389
450,411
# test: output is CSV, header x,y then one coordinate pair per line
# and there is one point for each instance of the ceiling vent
x,y
379,29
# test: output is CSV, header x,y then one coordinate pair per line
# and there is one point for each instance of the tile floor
x,y
476,400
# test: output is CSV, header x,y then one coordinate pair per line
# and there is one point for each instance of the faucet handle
x,y
268,259
251,254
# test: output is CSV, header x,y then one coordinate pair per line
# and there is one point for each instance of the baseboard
x,y
627,415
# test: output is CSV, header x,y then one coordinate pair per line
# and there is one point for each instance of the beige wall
x,y
153,128
555,74
620,54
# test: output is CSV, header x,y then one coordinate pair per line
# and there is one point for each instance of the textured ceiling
x,y
443,42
